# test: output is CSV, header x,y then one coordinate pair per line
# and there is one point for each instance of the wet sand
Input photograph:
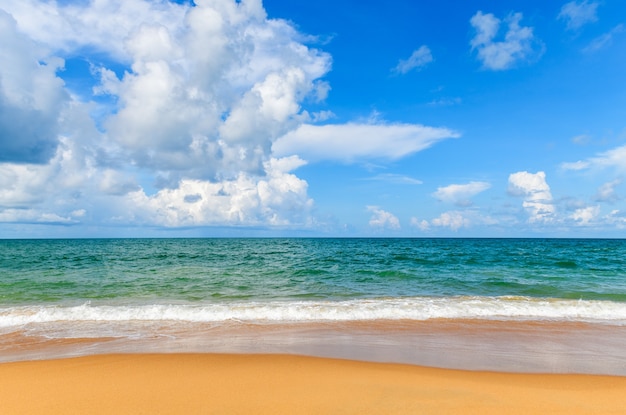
x,y
284,384
501,346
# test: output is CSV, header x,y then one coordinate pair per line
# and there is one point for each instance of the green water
x,y
144,271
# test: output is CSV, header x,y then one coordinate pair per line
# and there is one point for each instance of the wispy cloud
x,y
445,102
604,40
395,179
576,14
460,194
519,43
418,60
359,141
614,158
607,193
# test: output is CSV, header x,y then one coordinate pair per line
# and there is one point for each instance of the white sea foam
x,y
415,308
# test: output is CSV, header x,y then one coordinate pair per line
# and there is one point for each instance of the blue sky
x,y
350,118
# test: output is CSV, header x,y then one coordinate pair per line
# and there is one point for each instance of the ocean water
x,y
200,294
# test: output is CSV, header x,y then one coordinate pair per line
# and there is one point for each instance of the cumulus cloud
x,y
418,60
197,115
37,193
204,91
585,216
31,97
519,42
536,193
115,183
578,13
279,199
382,219
102,25
460,194
357,141
454,220
210,97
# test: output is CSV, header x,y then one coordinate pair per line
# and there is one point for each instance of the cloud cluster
x,y
535,191
197,115
519,42
279,199
203,93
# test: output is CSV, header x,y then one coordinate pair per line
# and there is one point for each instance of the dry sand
x,y
283,384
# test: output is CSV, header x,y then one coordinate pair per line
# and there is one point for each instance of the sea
x,y
523,305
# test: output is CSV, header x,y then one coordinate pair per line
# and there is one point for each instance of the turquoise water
x,y
311,279
140,271
485,304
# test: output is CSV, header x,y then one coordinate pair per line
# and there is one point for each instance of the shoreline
x,y
477,345
287,384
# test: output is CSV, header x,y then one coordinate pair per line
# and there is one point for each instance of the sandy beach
x,y
285,384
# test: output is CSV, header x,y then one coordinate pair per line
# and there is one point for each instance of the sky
x,y
351,118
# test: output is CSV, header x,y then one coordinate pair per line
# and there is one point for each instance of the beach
x,y
312,326
284,384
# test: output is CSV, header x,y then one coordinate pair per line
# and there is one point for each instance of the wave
x,y
414,308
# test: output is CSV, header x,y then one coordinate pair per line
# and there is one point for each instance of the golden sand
x,y
282,384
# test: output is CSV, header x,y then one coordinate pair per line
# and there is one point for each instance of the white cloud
x,y
585,216
353,141
103,25
382,219
575,165
606,192
279,199
460,194
454,220
418,59
614,158
198,115
422,225
578,13
616,219
31,97
115,183
604,40
36,193
395,179
519,42
204,92
536,193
